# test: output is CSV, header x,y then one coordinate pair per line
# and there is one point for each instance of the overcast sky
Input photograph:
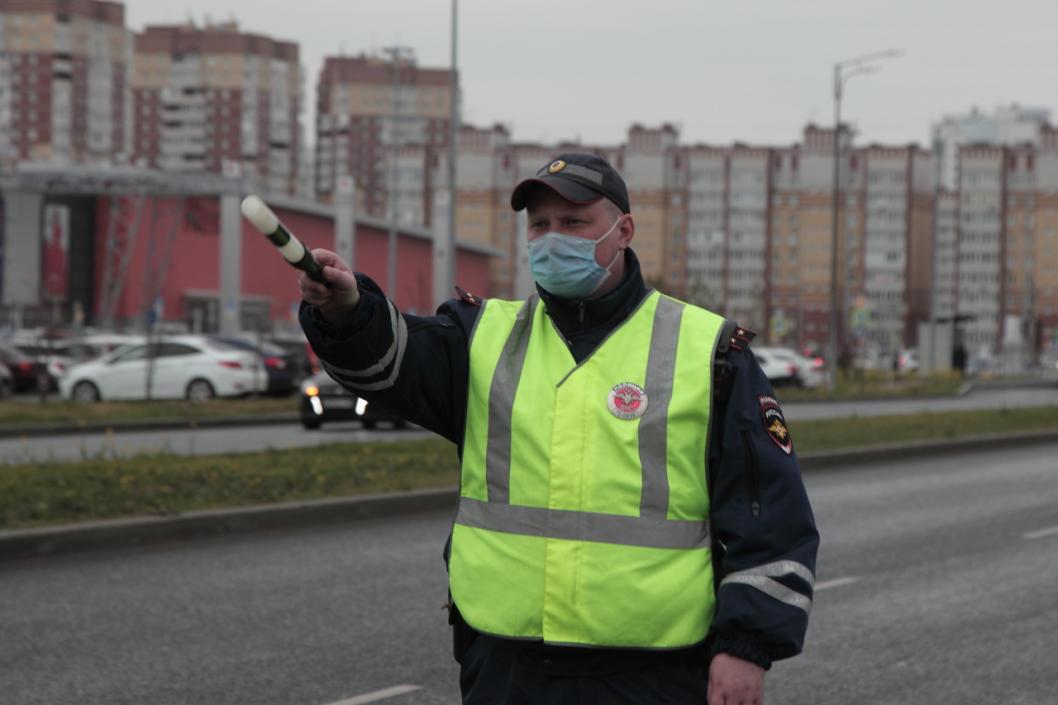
x,y
753,71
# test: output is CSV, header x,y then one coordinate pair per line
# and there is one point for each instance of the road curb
x,y
134,426
1000,384
922,449
122,533
870,400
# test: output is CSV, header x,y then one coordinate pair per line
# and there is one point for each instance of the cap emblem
x,y
556,166
627,401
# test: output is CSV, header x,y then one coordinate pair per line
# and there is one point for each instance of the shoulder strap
x,y
732,337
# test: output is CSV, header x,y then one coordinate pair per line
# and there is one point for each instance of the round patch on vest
x,y
627,401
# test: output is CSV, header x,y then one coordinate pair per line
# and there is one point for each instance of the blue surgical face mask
x,y
565,265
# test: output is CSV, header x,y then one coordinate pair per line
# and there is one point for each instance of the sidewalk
x,y
121,533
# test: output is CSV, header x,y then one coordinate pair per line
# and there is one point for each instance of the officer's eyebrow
x,y
564,216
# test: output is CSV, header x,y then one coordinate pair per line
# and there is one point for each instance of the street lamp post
x,y
843,71
934,253
453,136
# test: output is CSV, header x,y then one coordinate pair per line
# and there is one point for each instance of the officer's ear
x,y
626,230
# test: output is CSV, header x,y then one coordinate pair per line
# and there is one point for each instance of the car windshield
x,y
264,348
223,345
11,355
41,349
130,353
271,350
120,350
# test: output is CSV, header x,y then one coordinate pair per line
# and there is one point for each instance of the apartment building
x,y
63,81
945,289
980,284
760,224
214,99
368,106
1005,125
728,205
1043,285
1005,280
744,230
652,165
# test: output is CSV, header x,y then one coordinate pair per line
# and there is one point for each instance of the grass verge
x,y
163,484
872,384
157,485
838,434
55,412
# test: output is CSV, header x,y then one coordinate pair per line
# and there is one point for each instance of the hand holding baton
x,y
296,254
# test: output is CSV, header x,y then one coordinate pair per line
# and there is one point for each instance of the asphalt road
x,y
936,585
200,441
250,438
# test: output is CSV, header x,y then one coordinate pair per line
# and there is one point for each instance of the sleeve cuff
x,y
354,323
741,645
338,331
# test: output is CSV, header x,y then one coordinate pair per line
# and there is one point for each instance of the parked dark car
x,y
6,387
57,356
323,400
276,363
301,359
26,374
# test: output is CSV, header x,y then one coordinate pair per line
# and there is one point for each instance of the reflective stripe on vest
x,y
548,542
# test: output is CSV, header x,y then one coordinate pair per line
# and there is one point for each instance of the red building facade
x,y
174,262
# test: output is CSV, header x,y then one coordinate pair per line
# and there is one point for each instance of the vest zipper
x,y
753,472
580,305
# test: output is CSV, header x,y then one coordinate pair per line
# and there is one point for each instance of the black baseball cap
x,y
578,178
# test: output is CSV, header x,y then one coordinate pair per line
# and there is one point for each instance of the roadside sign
x,y
859,315
780,325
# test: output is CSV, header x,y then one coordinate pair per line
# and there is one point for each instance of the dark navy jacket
x,y
418,368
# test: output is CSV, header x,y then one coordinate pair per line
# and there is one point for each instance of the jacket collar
x,y
607,311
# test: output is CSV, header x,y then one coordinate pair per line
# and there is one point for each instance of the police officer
x,y
632,525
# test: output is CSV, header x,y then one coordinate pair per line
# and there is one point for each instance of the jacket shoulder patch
x,y
741,338
774,423
468,298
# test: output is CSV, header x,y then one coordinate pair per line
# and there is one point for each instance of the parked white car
x,y
908,361
184,367
779,369
784,366
103,342
1049,365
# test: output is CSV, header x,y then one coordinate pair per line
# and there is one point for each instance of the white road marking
x,y
379,695
1040,533
836,582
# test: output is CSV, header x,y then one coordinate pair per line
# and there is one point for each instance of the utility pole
x,y
934,265
843,71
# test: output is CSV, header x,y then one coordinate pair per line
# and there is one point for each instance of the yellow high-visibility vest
x,y
584,512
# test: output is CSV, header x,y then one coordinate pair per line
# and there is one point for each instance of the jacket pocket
x,y
752,472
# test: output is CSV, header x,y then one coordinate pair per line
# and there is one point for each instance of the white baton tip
x,y
262,217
